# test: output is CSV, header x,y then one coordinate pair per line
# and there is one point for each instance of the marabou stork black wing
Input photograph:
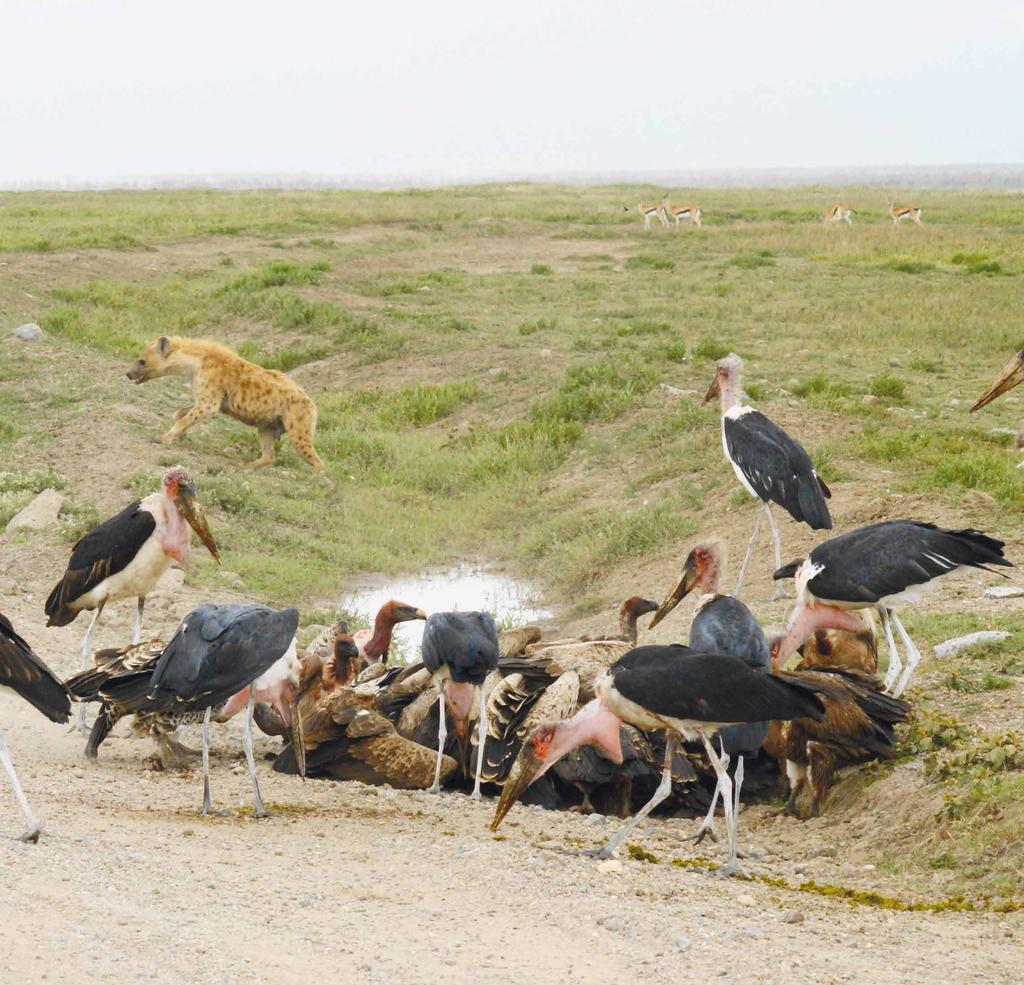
x,y
23,672
777,468
219,649
711,687
884,559
466,641
102,552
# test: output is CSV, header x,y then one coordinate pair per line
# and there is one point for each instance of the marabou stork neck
x,y
688,695
25,674
125,556
374,644
722,625
769,464
882,566
225,657
459,650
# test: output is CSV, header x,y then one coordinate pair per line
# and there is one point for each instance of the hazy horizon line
x,y
983,176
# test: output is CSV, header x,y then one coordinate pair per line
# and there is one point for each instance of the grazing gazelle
x,y
839,213
691,212
650,212
900,212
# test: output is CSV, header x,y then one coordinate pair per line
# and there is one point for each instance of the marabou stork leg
x,y
137,627
442,734
31,833
481,739
913,655
258,810
732,867
79,724
746,557
895,664
707,826
207,805
780,592
664,789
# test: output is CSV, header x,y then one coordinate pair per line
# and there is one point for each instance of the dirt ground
x,y
363,884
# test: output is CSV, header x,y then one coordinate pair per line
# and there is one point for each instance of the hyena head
x,y
153,362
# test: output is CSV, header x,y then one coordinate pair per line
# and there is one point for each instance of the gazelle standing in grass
x,y
900,212
677,212
650,212
839,213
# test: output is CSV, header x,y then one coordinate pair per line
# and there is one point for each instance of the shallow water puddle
x,y
463,587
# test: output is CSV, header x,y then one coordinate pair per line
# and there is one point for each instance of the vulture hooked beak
x,y
690,577
1012,374
192,510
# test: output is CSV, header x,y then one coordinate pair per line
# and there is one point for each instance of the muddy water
x,y
464,587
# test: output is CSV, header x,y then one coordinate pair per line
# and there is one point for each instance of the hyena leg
x,y
268,438
301,426
203,407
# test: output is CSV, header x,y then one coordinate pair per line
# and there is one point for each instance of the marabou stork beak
x,y
1012,374
689,578
714,390
461,727
525,770
192,510
298,739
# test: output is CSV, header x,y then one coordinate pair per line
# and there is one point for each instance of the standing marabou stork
x,y
373,645
223,657
722,624
881,566
125,556
1010,376
25,674
688,695
769,464
459,650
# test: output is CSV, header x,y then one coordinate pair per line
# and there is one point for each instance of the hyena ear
x,y
163,345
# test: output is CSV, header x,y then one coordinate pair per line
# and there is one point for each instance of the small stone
x,y
745,899
868,867
1012,432
593,819
869,398
895,363
42,512
954,402
752,931
672,391
551,845
609,867
306,899
792,916
610,921
683,943
958,644
29,332
496,371
618,269
1003,592
827,850
546,353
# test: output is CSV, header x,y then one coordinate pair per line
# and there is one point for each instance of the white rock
x,y
1004,592
593,819
958,644
610,866
29,332
1010,431
41,513
792,916
683,942
672,391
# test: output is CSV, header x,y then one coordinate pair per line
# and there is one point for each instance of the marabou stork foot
x,y
779,593
214,812
30,836
435,789
603,852
705,831
732,870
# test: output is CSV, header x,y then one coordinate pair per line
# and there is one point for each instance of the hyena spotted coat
x,y
223,381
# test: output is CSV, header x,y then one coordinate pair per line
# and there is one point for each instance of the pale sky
x,y
101,89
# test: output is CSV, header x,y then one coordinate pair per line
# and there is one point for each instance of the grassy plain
x,y
514,372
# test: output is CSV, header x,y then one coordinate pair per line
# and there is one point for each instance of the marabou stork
x,y
125,556
881,566
1010,376
769,464
688,695
374,644
222,658
722,624
459,650
25,674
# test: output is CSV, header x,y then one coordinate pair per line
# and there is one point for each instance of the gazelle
x,y
839,213
691,212
900,212
650,212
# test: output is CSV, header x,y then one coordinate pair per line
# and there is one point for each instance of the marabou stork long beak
x,y
527,768
714,390
689,578
298,738
1012,374
192,510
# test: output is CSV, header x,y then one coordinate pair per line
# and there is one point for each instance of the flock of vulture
x,y
591,723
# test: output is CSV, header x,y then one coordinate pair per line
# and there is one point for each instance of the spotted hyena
x,y
223,381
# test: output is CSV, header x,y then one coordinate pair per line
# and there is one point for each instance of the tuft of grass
x,y
708,347
908,265
977,263
644,261
888,387
541,270
751,261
